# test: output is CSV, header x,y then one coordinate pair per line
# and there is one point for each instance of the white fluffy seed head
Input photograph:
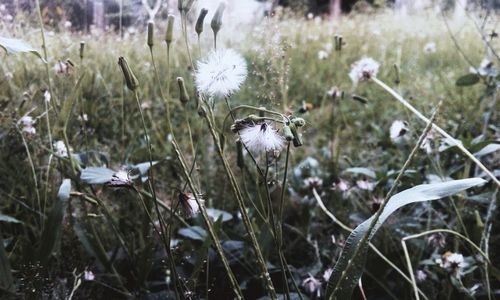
x,y
261,137
221,74
364,69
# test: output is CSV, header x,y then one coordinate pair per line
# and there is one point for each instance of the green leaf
x,y
9,219
215,214
52,229
488,149
349,267
15,46
96,175
469,79
362,171
193,232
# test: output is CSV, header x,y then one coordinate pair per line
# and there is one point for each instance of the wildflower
x,y
376,202
334,92
27,123
365,184
261,137
120,179
83,118
221,74
421,276
61,149
486,68
313,182
453,261
60,67
427,143
327,274
341,186
189,204
436,240
88,275
67,24
322,54
46,96
430,47
312,285
398,131
364,69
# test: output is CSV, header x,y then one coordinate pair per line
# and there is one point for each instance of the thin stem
x,y
208,223
450,139
184,27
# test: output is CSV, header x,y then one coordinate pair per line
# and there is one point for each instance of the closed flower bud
x,y
299,122
150,33
297,140
199,23
82,47
183,94
240,162
216,23
287,133
130,79
169,35
184,5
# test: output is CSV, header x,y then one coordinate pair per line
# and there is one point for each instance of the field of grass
x,y
73,228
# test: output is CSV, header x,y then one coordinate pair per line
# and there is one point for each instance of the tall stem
x,y
437,128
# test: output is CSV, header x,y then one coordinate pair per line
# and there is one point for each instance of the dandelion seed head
x,y
364,69
261,137
221,74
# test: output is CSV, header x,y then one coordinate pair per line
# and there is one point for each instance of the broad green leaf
x,y
362,171
469,79
15,46
6,279
487,150
96,175
193,232
349,267
52,229
9,219
215,214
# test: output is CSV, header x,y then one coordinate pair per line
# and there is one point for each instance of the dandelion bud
x,y
130,79
216,23
338,42
199,23
183,94
150,33
82,47
299,122
396,70
240,162
170,29
287,132
297,140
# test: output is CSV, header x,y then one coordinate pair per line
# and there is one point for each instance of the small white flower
x,y
334,92
364,69
83,118
486,68
313,182
365,184
428,142
261,137
46,96
88,275
27,121
61,149
188,202
322,54
328,47
341,186
312,285
221,74
120,179
398,131
67,24
60,68
327,274
421,276
454,261
430,47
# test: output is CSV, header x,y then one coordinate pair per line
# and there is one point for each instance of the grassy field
x,y
85,238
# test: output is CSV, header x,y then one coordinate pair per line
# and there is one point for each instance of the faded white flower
x,y
60,148
261,137
27,125
313,182
60,68
430,47
364,69
420,276
83,118
327,274
67,24
398,131
189,204
341,186
312,285
365,184
334,92
88,275
486,68
322,54
120,179
221,74
453,262
46,96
